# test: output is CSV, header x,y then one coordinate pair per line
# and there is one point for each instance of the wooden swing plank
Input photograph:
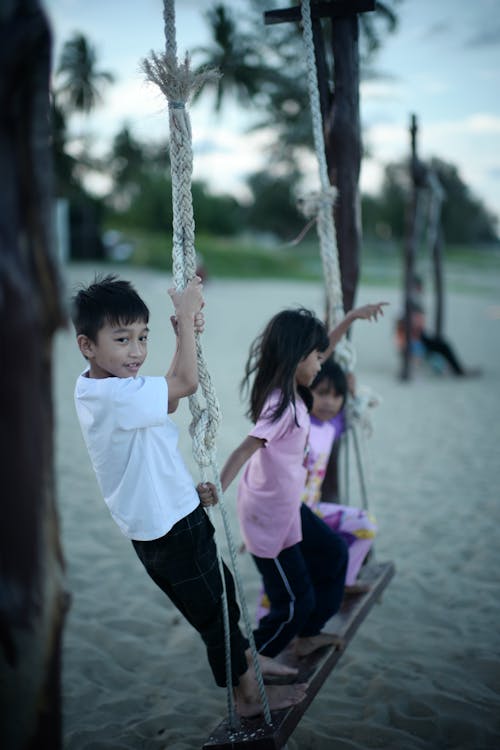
x,y
255,734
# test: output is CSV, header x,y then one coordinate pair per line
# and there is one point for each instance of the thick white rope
x,y
178,83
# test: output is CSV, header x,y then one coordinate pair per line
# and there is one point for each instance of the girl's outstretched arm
x,y
365,312
238,458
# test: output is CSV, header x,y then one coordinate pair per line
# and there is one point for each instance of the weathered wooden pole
x,y
32,596
344,151
341,122
437,257
410,247
437,197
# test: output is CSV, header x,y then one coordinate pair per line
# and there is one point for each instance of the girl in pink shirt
x,y
302,562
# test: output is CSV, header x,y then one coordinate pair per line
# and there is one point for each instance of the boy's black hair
x,y
289,337
334,374
107,300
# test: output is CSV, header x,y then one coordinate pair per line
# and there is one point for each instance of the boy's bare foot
x,y
309,644
278,696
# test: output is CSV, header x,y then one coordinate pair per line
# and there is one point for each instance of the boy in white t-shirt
x,y
132,444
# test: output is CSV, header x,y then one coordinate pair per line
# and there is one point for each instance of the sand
x,y
424,669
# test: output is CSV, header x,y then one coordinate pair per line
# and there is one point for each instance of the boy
x,y
132,445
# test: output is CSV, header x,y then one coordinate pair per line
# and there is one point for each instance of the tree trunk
x,y
418,178
343,151
437,257
32,596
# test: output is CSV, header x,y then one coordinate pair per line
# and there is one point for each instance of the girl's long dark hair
x,y
289,337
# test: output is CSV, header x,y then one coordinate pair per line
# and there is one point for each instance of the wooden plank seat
x,y
254,733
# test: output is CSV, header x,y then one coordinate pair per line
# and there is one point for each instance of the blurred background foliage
x,y
236,238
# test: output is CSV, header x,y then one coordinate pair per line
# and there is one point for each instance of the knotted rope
x,y
179,84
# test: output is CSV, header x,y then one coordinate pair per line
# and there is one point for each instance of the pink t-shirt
x,y
270,490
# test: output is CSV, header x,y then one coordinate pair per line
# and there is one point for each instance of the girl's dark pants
x,y
184,564
304,584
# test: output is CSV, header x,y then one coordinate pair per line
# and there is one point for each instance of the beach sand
x,y
424,669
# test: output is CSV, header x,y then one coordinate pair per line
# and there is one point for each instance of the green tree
x,y
129,161
236,57
78,85
216,214
151,206
464,217
141,193
386,212
126,165
64,164
78,89
80,82
274,206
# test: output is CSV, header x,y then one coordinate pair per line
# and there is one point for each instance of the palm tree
x,y
64,164
81,81
127,161
78,88
236,58
384,16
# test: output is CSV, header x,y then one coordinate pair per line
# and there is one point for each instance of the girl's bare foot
x,y
309,644
270,667
279,696
359,587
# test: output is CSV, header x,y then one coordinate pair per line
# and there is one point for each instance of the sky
x,y
442,64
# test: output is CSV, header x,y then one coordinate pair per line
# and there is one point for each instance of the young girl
x,y
302,562
355,525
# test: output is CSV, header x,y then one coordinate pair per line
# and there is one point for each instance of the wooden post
x,y
410,250
341,122
325,95
344,151
436,246
33,601
437,257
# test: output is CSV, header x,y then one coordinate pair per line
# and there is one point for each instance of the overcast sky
x,y
443,64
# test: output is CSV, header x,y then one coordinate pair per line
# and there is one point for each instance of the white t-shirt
x,y
132,444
